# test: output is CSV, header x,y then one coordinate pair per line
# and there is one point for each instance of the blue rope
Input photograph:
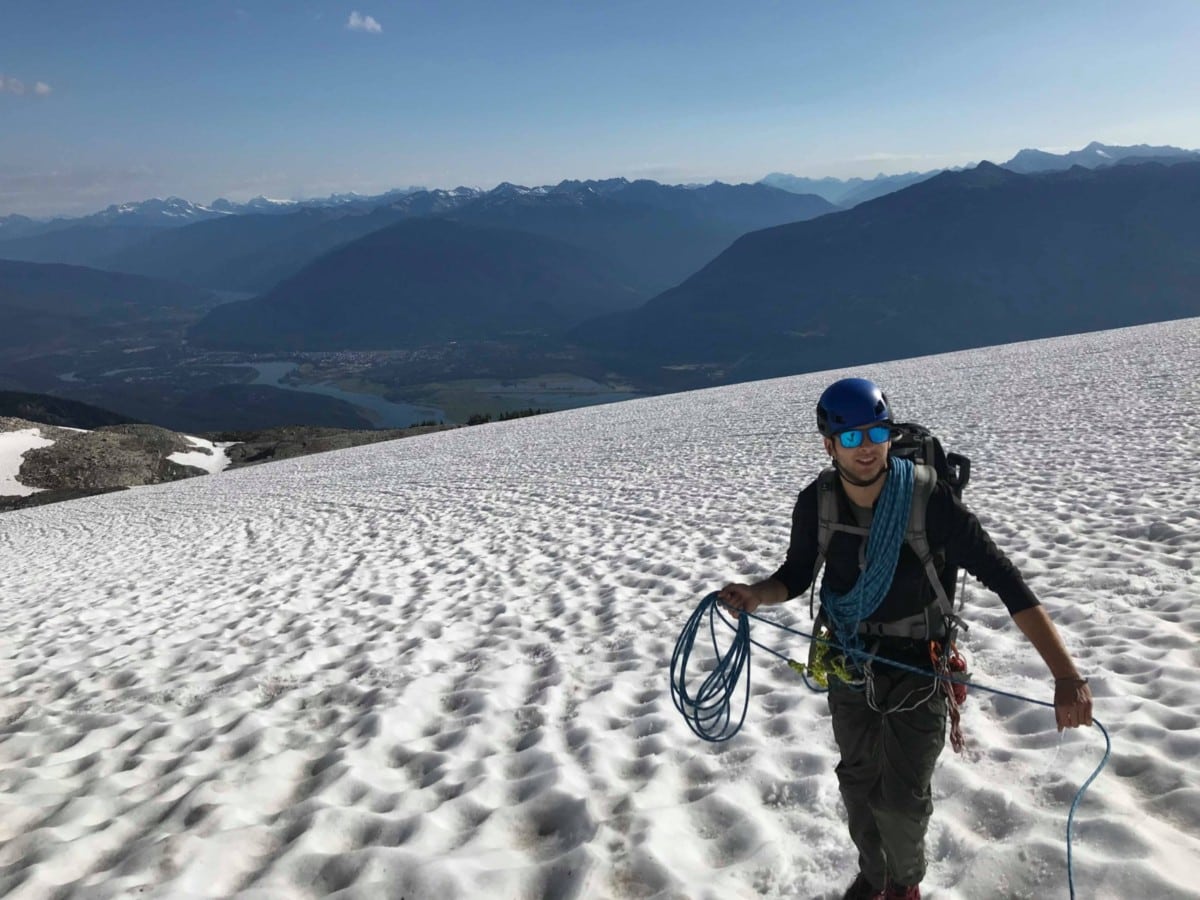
x,y
709,712
886,537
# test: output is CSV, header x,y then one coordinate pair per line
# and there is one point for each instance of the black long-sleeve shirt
x,y
955,536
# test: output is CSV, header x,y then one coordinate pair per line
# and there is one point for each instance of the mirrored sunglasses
x,y
877,434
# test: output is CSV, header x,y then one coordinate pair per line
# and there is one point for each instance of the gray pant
x,y
887,763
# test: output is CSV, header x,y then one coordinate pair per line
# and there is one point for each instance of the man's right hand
x,y
739,597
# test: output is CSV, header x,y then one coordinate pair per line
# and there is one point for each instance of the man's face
x,y
863,462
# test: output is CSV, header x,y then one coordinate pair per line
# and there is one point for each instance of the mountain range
x,y
421,281
92,240
964,259
850,192
652,235
175,212
988,254
660,287
1096,155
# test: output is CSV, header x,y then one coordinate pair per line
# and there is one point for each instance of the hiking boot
x,y
861,890
900,892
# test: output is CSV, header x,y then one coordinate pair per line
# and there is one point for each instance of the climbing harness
x,y
708,710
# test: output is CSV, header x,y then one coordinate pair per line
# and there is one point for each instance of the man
x,y
890,724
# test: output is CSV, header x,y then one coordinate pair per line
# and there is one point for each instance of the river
x,y
384,412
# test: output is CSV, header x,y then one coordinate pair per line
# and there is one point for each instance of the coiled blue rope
x,y
846,610
708,711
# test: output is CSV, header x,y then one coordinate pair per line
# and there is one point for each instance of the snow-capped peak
x,y
155,211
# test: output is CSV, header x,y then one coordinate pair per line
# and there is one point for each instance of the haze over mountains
x,y
175,212
964,259
423,281
655,235
847,192
853,191
1096,155
642,285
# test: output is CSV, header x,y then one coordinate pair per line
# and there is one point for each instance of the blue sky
x,y
123,100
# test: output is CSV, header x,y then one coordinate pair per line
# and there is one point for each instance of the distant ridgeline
x,y
965,259
850,192
667,287
49,410
508,262
649,235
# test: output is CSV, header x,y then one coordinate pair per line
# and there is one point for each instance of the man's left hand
x,y
1072,702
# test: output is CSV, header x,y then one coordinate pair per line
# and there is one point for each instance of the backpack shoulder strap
x,y
828,522
924,482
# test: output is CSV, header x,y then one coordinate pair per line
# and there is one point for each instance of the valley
x,y
174,384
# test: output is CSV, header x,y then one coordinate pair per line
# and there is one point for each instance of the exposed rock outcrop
x,y
82,463
110,457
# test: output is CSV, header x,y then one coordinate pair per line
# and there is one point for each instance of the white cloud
x,y
16,86
359,22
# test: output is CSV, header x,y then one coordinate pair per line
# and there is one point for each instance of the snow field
x,y
209,456
13,447
438,667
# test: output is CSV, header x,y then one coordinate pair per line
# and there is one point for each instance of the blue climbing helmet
x,y
851,403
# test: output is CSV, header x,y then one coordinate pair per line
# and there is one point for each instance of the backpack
x,y
932,464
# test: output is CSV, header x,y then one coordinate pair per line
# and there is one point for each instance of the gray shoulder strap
x,y
828,520
827,515
924,481
827,523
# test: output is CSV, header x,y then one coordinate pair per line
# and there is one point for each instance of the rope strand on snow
x,y
708,711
